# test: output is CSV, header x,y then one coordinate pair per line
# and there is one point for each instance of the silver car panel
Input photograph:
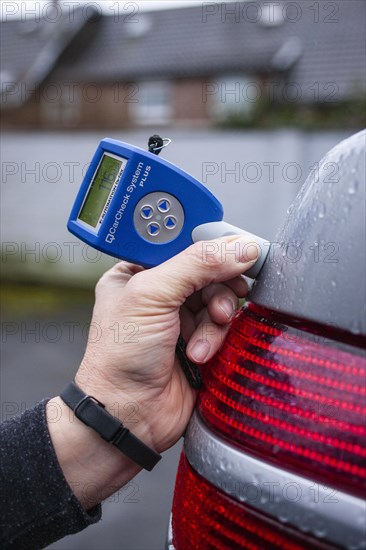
x,y
316,267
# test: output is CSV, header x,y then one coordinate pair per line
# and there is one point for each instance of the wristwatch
x,y
93,413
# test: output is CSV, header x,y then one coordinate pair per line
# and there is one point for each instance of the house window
x,y
232,94
153,103
60,105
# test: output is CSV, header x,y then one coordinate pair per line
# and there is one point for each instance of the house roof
x,y
29,50
328,55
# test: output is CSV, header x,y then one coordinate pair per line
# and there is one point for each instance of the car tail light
x,y
291,398
203,518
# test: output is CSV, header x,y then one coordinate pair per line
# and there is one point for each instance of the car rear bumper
x,y
322,512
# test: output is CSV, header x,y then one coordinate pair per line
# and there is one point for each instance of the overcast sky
x,y
24,8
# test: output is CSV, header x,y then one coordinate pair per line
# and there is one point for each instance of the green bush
x,y
308,116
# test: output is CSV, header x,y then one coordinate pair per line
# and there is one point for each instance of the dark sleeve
x,y
38,506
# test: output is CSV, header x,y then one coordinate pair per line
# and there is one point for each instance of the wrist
x,y
127,408
146,406
93,468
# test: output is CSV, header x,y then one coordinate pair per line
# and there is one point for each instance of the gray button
x,y
147,211
161,227
153,229
164,206
170,222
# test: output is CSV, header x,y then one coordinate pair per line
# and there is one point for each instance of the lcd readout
x,y
100,189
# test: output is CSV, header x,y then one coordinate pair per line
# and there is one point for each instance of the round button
x,y
153,229
160,227
164,205
147,211
170,222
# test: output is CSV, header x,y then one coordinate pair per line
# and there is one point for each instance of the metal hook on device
x,y
157,143
168,142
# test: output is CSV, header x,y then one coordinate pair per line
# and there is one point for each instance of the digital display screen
x,y
100,189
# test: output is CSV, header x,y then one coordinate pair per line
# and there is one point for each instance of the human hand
x,y
139,314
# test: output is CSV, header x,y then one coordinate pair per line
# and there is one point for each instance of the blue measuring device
x,y
138,207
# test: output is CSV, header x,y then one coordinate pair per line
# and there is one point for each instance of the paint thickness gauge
x,y
138,207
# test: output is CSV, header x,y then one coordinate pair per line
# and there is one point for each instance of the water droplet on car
x,y
355,327
224,464
352,187
321,210
320,531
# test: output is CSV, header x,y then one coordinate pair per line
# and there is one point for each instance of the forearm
x,y
37,505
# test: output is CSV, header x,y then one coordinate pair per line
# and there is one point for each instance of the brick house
x,y
188,66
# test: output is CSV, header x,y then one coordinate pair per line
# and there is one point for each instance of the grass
x,y
20,301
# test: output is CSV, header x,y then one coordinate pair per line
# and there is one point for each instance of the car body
x,y
274,455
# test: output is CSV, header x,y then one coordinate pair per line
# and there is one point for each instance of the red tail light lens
x,y
204,518
290,399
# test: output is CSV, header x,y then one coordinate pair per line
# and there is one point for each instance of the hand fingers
x,y
222,304
119,275
206,340
195,268
188,323
238,285
206,331
200,299
220,301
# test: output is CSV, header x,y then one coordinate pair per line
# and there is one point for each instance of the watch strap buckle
x,y
120,435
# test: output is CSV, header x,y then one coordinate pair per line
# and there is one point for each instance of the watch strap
x,y
93,413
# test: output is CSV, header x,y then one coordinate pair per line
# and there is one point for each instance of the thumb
x,y
199,265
